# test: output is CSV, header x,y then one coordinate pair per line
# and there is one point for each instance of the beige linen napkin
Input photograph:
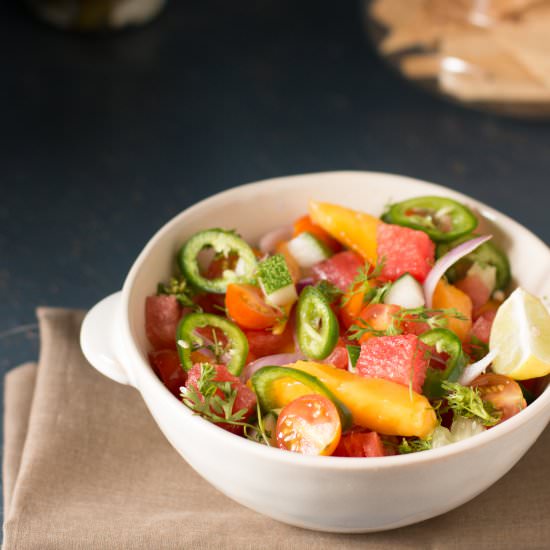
x,y
85,467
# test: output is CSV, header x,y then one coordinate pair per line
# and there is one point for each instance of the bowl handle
x,y
97,339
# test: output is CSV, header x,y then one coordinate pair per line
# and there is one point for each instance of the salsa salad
x,y
349,335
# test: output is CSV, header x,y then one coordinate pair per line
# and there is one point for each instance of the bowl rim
x,y
328,462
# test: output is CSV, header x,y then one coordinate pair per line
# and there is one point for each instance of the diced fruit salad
x,y
350,335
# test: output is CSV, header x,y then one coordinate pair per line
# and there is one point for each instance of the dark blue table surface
x,y
104,138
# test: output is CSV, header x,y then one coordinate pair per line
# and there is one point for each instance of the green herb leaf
x,y
357,331
466,401
434,318
413,445
361,282
212,399
376,295
331,292
258,432
179,288
222,309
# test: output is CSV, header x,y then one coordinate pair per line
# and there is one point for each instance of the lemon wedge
x,y
520,337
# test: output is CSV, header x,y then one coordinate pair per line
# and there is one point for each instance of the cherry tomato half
x,y
377,316
504,393
246,306
309,425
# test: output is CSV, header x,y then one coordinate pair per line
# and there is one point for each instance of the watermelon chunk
x,y
360,444
162,315
404,250
400,359
210,303
340,269
339,356
481,328
264,342
246,398
476,289
166,363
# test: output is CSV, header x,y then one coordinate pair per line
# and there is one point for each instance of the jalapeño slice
x,y
444,341
441,218
232,350
222,242
275,387
317,327
486,254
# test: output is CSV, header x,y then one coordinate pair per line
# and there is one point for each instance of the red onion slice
x,y
270,240
446,261
471,372
278,360
302,283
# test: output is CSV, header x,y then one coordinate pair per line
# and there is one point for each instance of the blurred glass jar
x,y
95,15
490,54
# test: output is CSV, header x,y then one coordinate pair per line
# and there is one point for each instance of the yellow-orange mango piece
x,y
447,296
356,230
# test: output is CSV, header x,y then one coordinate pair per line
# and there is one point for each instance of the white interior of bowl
x,y
254,209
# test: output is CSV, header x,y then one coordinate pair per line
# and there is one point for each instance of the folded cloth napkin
x,y
85,467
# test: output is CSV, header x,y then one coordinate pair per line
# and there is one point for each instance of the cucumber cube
x,y
275,281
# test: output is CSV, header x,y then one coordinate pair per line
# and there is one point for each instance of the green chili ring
x,y
486,254
447,342
223,242
317,325
264,380
188,340
427,214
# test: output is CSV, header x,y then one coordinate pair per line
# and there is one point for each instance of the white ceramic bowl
x,y
324,493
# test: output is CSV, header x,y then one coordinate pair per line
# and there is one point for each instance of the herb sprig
x,y
413,445
179,288
213,399
434,318
258,433
329,290
361,284
467,402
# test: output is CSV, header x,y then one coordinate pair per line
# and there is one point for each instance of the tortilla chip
x,y
491,50
480,49
539,12
424,31
529,44
469,87
499,9
395,13
421,66
450,9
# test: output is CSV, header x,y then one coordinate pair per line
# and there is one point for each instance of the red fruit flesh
x,y
340,269
245,399
404,250
162,315
400,359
